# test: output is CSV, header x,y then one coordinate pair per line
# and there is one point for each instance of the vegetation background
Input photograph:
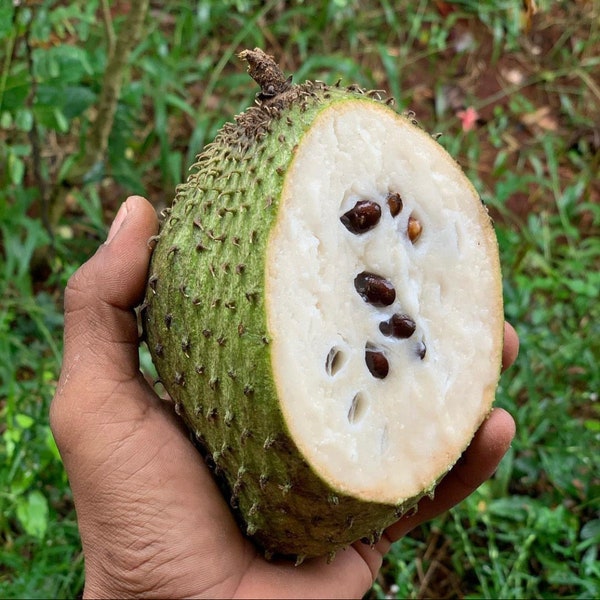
x,y
101,99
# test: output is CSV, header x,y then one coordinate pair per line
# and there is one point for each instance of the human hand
x,y
151,518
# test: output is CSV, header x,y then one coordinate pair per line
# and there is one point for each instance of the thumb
x,y
101,335
100,296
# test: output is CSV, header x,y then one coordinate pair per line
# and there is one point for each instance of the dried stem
x,y
266,72
108,26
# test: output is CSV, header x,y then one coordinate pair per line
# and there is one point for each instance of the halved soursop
x,y
324,306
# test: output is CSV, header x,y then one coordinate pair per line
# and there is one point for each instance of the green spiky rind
x,y
205,325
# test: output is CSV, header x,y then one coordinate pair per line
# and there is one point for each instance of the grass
x,y
534,529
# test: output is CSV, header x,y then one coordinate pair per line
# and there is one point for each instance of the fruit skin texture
x,y
205,324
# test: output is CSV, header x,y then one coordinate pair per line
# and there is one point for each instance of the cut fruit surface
x,y
415,414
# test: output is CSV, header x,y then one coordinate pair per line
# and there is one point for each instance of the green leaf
x,y
24,119
6,18
591,530
592,425
16,168
16,90
76,100
32,513
51,117
61,121
182,105
11,438
51,444
6,120
581,286
24,421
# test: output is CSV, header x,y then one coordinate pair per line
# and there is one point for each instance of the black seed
x,y
159,350
179,379
374,289
363,217
377,363
421,350
394,202
398,326
168,320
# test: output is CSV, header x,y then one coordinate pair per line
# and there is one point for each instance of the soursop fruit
x,y
324,307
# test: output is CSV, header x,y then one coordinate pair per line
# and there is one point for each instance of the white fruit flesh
x,y
381,439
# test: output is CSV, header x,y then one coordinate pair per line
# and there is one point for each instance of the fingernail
x,y
116,224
